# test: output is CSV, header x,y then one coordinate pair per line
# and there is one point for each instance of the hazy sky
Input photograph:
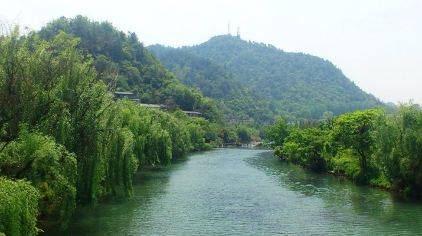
x,y
376,43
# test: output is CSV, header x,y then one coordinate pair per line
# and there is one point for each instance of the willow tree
x,y
18,208
51,87
49,167
398,149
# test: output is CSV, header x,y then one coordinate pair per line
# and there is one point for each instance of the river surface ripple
x,y
247,192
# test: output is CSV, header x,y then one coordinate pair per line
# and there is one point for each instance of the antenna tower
x,y
228,29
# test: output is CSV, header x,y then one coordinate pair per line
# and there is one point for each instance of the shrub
x,y
18,208
50,168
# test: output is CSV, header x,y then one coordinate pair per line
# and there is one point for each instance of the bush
x,y
304,147
18,208
346,163
50,168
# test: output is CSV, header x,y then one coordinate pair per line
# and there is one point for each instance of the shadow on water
x,y
113,217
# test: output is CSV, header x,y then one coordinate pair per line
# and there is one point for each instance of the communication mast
x,y
228,29
238,32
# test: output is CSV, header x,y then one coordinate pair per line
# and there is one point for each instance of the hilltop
x,y
263,80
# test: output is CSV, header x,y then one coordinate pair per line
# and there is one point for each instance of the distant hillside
x,y
126,65
214,81
294,85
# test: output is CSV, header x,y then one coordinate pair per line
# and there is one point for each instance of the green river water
x,y
247,192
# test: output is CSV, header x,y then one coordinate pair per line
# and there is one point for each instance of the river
x,y
247,192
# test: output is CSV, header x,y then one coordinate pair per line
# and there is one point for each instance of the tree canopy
x,y
123,63
375,147
62,132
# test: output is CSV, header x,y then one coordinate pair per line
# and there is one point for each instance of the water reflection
x,y
378,210
247,192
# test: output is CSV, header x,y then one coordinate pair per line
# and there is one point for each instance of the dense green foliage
x,y
195,71
61,130
124,63
304,147
264,81
398,149
214,81
240,134
49,167
277,132
18,208
370,147
353,131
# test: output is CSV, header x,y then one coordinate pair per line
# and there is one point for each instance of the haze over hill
x,y
90,117
247,79
259,77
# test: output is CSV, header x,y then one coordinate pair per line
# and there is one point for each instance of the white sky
x,y
376,43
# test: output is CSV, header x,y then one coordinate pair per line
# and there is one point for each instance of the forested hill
x,y
125,64
294,85
235,100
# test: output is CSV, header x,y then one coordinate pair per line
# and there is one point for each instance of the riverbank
x,y
242,145
383,186
372,147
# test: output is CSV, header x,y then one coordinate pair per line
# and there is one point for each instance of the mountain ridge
x,y
290,84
